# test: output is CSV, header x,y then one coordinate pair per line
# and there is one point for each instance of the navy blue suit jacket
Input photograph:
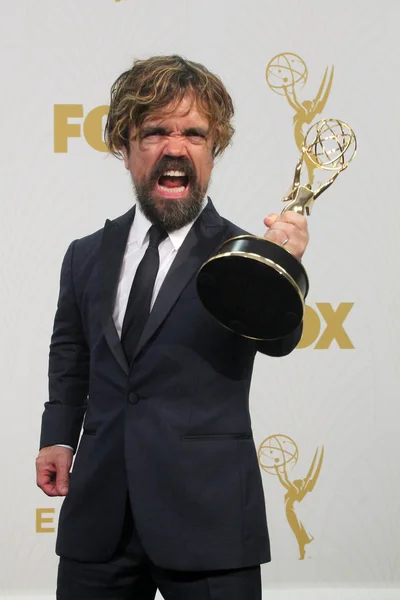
x,y
172,429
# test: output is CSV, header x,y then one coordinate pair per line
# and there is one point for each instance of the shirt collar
x,y
141,226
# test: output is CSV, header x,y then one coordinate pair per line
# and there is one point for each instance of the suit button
x,y
133,398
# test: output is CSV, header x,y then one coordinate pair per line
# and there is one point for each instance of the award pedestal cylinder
x,y
254,287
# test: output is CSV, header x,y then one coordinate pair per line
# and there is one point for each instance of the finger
x,y
296,236
46,482
289,229
278,236
62,477
299,221
289,236
49,489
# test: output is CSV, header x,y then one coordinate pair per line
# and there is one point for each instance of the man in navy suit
x,y
165,492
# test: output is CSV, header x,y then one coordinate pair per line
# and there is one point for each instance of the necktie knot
x,y
156,236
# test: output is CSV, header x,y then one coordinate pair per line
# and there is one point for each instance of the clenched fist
x,y
52,470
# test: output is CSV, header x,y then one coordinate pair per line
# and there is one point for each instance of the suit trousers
x,y
130,575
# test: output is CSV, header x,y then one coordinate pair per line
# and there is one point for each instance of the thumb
x,y
62,478
268,221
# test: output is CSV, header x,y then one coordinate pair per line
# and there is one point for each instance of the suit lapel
x,y
203,238
115,236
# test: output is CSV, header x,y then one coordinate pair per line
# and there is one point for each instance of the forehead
x,y
186,112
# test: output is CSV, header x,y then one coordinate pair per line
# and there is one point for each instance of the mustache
x,y
172,164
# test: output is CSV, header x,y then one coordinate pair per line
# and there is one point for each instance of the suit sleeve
x,y
282,346
68,367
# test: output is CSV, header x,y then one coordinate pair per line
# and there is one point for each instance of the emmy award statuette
x,y
253,285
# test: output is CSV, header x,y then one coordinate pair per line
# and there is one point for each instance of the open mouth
x,y
173,183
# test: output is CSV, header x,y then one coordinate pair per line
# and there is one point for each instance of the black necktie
x,y
138,308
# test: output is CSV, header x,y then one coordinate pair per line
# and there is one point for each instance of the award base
x,y
254,287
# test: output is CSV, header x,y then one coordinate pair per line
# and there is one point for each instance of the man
x,y
165,491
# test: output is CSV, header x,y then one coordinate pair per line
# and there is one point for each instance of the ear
x,y
126,157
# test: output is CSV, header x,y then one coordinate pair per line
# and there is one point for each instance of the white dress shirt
x,y
138,240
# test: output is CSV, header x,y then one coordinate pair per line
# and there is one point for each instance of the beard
x,y
170,214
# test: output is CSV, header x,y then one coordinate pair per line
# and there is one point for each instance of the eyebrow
x,y
153,130
195,131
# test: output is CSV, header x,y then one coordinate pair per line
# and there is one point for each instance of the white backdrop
x,y
344,399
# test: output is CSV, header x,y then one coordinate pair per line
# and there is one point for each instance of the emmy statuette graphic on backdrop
x,y
285,74
275,455
249,273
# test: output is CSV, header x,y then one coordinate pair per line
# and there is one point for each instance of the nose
x,y
175,146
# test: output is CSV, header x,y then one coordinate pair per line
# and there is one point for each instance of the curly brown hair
x,y
156,86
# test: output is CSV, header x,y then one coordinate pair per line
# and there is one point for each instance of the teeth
x,y
174,173
177,190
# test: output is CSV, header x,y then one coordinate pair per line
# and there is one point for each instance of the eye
x,y
196,137
152,134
